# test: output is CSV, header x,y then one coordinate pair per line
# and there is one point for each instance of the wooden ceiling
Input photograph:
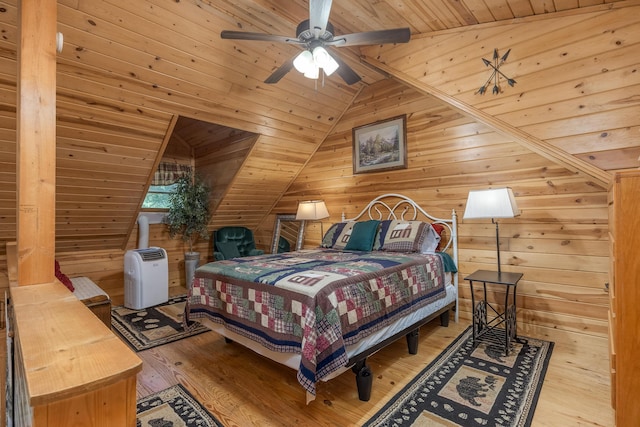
x,y
129,68
280,17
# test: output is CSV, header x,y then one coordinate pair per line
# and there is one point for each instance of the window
x,y
163,184
158,197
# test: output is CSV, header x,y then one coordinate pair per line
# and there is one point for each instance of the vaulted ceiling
x,y
130,68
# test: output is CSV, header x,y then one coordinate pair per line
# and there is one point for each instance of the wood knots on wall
x,y
496,74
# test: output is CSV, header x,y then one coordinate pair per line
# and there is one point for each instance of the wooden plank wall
x,y
576,74
116,98
559,242
101,167
219,163
126,69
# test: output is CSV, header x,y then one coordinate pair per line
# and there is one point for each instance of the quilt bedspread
x,y
314,302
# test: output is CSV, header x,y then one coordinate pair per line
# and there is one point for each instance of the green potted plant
x,y
189,216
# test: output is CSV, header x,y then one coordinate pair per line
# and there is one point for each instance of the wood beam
x,y
534,144
36,141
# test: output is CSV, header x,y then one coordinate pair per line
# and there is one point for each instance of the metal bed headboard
x,y
399,207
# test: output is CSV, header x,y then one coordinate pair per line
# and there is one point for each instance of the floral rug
x,y
153,326
472,386
173,407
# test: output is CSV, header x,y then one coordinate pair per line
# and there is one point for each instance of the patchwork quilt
x,y
314,302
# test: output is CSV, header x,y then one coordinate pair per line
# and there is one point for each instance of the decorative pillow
x,y
382,230
362,236
404,236
63,277
439,229
343,238
228,249
332,234
431,240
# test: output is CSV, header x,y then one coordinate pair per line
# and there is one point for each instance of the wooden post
x,y
36,141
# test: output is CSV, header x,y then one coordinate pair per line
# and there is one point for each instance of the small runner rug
x,y
472,386
153,326
173,407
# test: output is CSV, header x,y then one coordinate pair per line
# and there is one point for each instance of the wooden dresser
x,y
624,294
69,368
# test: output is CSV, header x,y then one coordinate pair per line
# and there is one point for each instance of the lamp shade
x,y
321,56
313,72
325,61
492,203
312,210
310,62
303,62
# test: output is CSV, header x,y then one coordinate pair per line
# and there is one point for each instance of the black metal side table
x,y
485,326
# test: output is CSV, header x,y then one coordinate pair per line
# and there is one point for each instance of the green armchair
x,y
234,242
283,245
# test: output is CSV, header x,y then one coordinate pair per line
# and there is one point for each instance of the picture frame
x,y
380,146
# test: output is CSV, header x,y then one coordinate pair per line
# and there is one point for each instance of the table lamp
x,y
492,203
313,210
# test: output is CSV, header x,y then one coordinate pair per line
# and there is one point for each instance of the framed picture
x,y
380,146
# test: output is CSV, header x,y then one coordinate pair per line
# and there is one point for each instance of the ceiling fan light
x,y
304,61
321,56
330,66
313,72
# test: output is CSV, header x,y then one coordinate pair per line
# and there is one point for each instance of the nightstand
x,y
486,317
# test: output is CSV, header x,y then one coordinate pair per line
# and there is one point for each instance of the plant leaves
x,y
189,213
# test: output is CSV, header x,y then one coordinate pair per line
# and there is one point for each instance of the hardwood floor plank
x,y
242,388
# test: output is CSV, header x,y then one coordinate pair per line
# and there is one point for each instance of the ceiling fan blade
x,y
348,75
319,16
241,35
396,35
281,71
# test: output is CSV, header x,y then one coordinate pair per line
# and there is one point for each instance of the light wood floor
x,y
244,389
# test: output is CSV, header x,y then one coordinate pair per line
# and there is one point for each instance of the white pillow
x,y
431,241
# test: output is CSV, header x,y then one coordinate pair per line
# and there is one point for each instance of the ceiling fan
x,y
315,35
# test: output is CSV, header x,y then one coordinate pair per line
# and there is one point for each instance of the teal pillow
x,y
229,249
362,236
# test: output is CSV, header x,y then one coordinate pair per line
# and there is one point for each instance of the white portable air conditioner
x,y
146,278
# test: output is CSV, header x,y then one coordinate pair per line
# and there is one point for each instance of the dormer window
x,y
163,184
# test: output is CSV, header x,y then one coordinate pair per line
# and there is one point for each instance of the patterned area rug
x,y
467,386
153,326
173,407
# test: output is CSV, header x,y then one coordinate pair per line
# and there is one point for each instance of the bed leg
x,y
412,341
227,340
364,380
444,319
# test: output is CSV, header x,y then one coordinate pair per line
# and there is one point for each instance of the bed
x,y
376,278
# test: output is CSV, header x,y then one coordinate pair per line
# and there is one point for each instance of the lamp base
x,y
497,243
